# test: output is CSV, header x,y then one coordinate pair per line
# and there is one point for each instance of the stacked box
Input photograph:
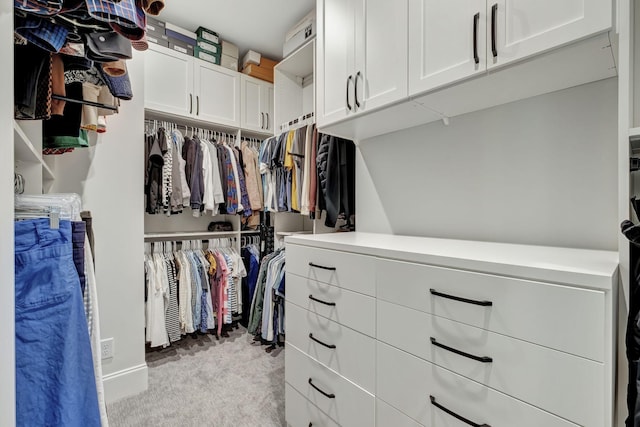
x,y
302,32
230,55
180,39
208,46
156,32
264,71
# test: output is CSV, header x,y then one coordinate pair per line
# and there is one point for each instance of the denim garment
x,y
55,383
78,230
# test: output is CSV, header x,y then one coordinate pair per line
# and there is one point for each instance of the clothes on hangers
x,y
190,290
267,306
56,357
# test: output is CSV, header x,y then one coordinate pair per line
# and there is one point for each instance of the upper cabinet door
x,y
268,106
447,42
381,53
218,90
335,67
520,28
252,116
162,65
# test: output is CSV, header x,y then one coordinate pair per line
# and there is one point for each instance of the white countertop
x,y
592,269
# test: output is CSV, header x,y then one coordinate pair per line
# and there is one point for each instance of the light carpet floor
x,y
204,382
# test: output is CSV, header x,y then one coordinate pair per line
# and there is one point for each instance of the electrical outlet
x,y
106,348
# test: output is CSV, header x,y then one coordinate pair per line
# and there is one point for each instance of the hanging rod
x,y
84,102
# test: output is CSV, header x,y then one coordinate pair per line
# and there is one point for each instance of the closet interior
x,y
458,132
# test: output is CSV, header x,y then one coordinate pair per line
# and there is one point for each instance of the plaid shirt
x,y
124,13
42,33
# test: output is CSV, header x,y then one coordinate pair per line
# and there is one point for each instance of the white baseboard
x,y
125,383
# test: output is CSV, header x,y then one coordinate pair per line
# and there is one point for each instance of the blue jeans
x,y
55,383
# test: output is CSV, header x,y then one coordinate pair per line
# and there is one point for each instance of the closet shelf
x,y
292,233
300,62
188,235
26,152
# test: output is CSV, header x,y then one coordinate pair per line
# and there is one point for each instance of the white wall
x,y
7,332
110,178
540,171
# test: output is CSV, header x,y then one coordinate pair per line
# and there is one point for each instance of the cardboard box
x,y
180,46
180,30
155,25
208,35
230,49
207,56
161,40
179,36
262,73
213,48
300,38
229,62
267,63
301,25
251,57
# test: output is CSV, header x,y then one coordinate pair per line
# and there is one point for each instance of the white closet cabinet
x,y
447,42
362,56
520,28
452,40
178,84
168,81
217,94
507,335
257,104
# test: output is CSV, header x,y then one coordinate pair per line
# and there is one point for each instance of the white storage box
x,y
230,49
299,39
301,25
229,62
251,57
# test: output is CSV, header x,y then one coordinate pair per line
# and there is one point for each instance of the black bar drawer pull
x,y
320,342
329,395
355,91
455,298
348,104
494,29
321,267
453,414
483,359
476,21
312,298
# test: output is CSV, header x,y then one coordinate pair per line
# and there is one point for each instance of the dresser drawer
x,y
568,386
302,413
342,269
349,353
346,403
348,308
388,416
561,317
408,383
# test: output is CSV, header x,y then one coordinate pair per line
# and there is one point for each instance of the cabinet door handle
x,y
329,395
197,105
190,103
261,120
348,104
267,120
461,299
320,342
476,21
331,304
322,267
453,414
355,92
494,29
483,359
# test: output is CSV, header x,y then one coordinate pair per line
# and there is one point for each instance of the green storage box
x,y
208,35
213,48
207,56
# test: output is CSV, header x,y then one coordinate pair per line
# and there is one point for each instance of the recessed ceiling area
x,y
258,25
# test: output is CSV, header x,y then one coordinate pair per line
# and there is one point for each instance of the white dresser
x,y
405,331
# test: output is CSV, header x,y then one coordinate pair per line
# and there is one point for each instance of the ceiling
x,y
258,25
